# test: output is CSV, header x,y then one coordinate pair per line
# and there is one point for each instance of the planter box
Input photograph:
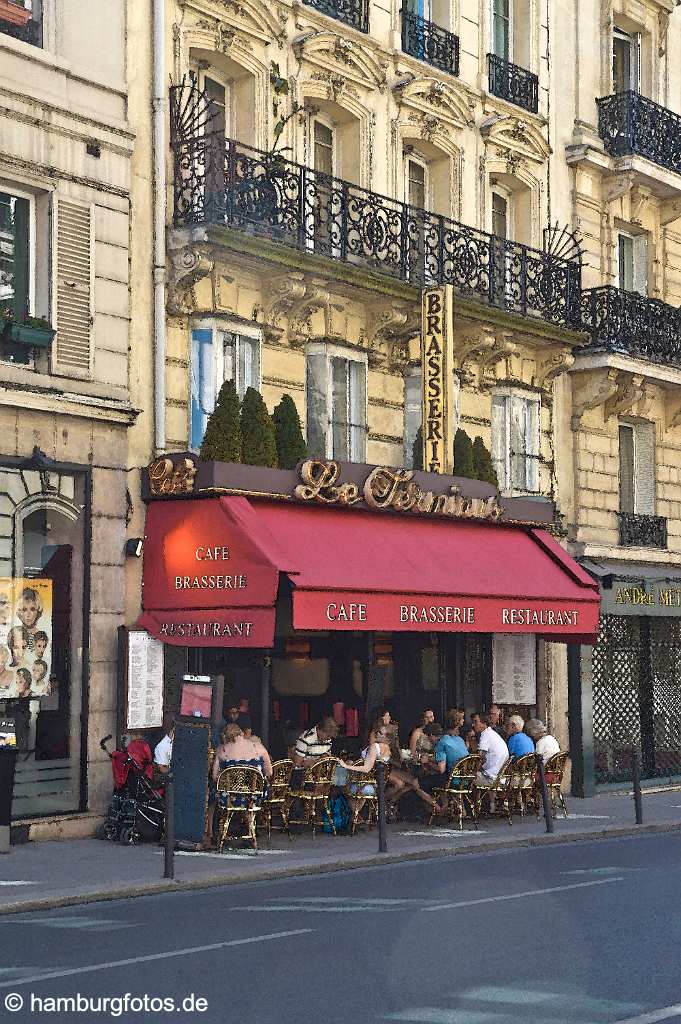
x,y
14,13
17,333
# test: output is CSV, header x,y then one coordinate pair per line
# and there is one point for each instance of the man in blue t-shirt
x,y
519,743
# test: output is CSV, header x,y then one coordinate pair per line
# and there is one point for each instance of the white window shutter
x,y
640,264
532,444
626,435
644,461
317,404
413,415
499,439
358,411
73,228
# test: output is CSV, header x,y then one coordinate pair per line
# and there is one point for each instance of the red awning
x,y
212,566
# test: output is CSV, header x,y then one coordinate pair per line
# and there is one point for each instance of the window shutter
x,y
518,442
644,468
202,384
358,411
317,404
626,468
532,444
640,264
413,414
499,442
72,350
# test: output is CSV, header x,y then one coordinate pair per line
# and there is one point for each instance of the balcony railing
x,y
428,42
31,32
642,531
351,12
631,124
513,83
219,181
629,323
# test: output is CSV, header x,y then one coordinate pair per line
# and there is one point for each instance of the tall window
x,y
219,355
500,215
626,61
413,415
15,254
515,442
637,468
336,406
416,184
323,157
501,28
632,260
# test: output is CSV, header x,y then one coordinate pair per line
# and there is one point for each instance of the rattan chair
x,y
554,769
313,793
523,783
277,791
359,800
458,794
498,789
240,790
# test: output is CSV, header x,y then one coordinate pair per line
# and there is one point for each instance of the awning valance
x,y
364,571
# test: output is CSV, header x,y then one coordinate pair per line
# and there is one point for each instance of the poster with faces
x,y
25,638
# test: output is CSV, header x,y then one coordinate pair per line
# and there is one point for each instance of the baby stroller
x,y
137,811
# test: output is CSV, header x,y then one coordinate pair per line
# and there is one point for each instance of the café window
x,y
515,441
16,254
219,354
42,614
637,468
336,387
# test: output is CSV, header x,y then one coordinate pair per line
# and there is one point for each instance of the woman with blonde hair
x,y
239,750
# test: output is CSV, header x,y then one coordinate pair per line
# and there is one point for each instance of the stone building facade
x,y
65,409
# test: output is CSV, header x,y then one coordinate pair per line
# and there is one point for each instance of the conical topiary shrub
x,y
482,462
417,450
463,455
222,439
258,447
288,434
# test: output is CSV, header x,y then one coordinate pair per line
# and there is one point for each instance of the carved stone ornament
x,y
475,346
504,346
672,412
619,186
551,366
386,334
297,296
187,267
630,391
591,388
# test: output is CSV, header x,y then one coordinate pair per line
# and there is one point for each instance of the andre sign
x,y
436,346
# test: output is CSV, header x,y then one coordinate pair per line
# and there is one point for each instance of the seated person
x,y
545,744
398,782
315,743
163,751
419,743
492,746
519,743
496,720
449,749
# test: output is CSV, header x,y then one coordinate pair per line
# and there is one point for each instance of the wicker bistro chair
x,y
498,789
554,769
277,792
359,799
240,790
522,783
459,792
313,793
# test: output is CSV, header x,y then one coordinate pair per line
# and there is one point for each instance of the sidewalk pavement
x,y
51,874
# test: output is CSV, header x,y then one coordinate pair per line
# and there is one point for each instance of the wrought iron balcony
x,y
351,12
629,323
30,32
428,42
219,181
513,83
631,124
642,531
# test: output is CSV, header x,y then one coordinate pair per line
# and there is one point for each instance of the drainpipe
x,y
158,104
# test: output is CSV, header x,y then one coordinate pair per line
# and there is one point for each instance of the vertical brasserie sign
x,y
436,362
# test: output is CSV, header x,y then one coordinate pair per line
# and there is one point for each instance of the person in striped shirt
x,y
315,743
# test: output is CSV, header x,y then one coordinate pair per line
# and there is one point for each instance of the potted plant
x,y
28,330
14,12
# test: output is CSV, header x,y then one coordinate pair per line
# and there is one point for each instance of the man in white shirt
x,y
491,744
163,751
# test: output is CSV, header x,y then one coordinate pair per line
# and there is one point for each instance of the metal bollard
x,y
169,843
548,814
636,779
380,776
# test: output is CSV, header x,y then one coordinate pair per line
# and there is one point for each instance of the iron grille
x,y
428,42
637,697
31,32
631,124
642,531
621,321
513,83
351,12
219,181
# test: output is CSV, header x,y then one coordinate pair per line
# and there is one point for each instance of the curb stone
x,y
328,867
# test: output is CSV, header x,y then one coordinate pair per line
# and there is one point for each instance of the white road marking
x,y
597,871
588,817
448,833
17,883
107,966
243,854
522,895
666,1013
373,901
88,924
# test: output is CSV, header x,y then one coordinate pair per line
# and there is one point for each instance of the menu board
x,y
145,681
514,674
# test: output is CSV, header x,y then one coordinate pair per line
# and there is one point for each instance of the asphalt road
x,y
585,933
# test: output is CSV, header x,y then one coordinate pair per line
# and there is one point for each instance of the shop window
x,y
42,614
336,388
219,354
626,61
632,262
637,468
515,442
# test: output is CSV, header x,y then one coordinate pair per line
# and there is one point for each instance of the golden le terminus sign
x,y
436,362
